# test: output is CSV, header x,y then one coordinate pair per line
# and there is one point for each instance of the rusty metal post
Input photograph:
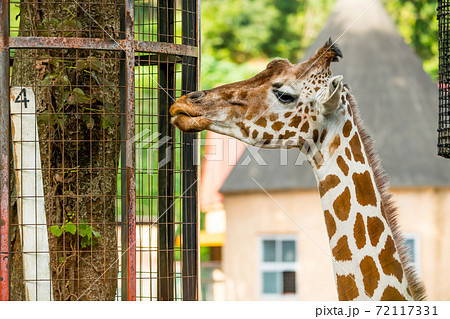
x,y
4,151
190,186
166,211
130,151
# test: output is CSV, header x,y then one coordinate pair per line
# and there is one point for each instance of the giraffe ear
x,y
332,96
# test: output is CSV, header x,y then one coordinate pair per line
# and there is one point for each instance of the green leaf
x,y
109,120
44,117
55,230
70,228
81,65
62,80
95,63
85,231
86,118
84,242
96,234
48,79
78,97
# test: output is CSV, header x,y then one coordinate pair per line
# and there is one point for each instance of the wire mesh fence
x,y
99,189
444,79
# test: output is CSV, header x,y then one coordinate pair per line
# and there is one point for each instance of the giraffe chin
x,y
190,124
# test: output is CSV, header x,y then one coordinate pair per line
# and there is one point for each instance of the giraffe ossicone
x,y
304,106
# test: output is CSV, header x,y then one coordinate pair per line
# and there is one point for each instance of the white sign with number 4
x,y
30,195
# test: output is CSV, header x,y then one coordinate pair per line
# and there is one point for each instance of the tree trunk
x,y
77,101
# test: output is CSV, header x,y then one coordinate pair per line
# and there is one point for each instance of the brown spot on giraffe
x,y
341,251
318,159
301,142
261,122
392,294
347,128
267,136
307,109
328,183
359,231
313,118
255,133
322,136
273,117
315,136
375,228
348,154
342,205
347,289
277,126
389,264
295,121
355,145
305,127
334,145
244,129
342,165
371,275
349,109
330,223
365,193
287,135
287,114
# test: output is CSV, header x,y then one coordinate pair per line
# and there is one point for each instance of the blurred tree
x,y
417,22
239,30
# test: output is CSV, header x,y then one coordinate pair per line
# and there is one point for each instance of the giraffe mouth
x,y
188,117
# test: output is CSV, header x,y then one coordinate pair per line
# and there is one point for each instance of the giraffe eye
x,y
285,98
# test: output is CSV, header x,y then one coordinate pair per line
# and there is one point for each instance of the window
x,y
412,242
278,266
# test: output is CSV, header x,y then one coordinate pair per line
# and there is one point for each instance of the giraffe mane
x,y
415,285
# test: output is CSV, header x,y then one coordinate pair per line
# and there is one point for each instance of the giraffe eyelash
x,y
285,98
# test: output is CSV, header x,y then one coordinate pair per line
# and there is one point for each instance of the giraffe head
x,y
284,105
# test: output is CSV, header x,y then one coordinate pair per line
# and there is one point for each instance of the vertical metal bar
x,y
123,160
190,214
443,16
130,151
166,211
4,151
123,177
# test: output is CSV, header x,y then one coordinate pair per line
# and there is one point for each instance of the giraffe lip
x,y
183,109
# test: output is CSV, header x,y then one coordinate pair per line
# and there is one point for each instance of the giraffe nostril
x,y
196,95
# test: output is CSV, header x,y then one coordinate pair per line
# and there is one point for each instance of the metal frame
x,y
4,150
189,51
444,78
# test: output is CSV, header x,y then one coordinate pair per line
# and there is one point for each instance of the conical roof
x,y
398,103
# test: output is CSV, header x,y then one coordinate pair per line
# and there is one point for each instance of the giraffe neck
x,y
367,264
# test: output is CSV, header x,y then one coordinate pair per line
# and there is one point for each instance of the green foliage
x,y
58,79
236,32
85,231
239,36
417,22
241,30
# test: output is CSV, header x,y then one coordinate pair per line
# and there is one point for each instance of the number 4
x,y
22,98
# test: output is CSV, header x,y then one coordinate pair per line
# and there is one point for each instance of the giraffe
x,y
304,106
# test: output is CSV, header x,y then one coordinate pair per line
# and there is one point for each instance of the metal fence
x,y
98,189
444,79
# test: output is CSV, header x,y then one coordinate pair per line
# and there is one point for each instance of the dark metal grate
x,y
111,162
444,79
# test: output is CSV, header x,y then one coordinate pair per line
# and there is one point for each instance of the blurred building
x,y
277,248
